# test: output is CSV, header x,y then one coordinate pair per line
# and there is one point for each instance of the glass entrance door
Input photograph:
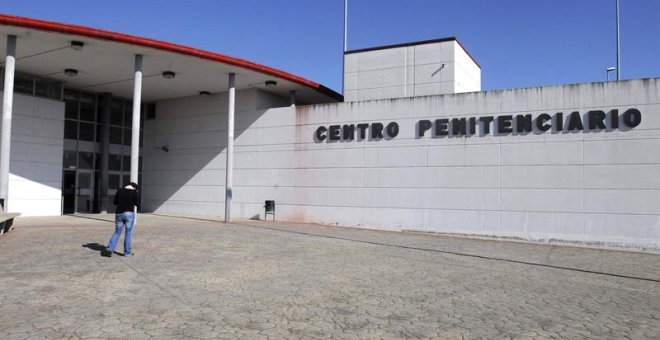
x,y
84,191
68,191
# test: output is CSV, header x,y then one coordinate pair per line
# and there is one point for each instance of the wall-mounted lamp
x,y
204,93
607,72
77,45
168,74
71,72
438,70
270,83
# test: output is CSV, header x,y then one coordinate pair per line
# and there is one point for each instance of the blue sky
x,y
518,43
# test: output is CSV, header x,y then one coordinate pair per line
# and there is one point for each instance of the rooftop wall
x,y
409,71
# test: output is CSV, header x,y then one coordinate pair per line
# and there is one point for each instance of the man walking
x,y
126,199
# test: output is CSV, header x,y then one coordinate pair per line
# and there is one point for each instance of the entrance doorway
x,y
86,115
77,191
84,191
68,191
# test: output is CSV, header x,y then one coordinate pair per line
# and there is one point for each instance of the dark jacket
x,y
125,200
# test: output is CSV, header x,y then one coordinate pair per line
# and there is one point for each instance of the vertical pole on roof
x,y
7,103
343,55
292,98
618,44
229,170
135,132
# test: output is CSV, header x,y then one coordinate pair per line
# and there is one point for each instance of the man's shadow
x,y
97,247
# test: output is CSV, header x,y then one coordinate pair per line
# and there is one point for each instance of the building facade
x,y
592,182
573,163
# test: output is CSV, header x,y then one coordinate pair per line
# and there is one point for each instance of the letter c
x,y
320,133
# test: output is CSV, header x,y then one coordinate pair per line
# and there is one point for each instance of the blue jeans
x,y
125,219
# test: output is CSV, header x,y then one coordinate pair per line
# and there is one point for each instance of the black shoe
x,y
106,253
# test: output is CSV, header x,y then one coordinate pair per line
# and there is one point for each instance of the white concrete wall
x,y
410,71
590,187
190,178
35,179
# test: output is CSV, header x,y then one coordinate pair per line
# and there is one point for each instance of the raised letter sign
x,y
441,127
596,119
392,129
423,126
575,122
541,122
632,118
363,130
333,132
504,124
376,130
320,133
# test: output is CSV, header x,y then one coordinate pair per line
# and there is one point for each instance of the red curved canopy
x,y
82,31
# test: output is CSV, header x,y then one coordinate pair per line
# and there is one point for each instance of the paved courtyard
x,y
196,279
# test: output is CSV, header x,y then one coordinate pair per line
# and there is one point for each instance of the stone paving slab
x,y
196,279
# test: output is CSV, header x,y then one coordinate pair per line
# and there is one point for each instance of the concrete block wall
x,y
190,177
35,168
586,187
409,71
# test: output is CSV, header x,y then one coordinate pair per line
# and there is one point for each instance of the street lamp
x,y
618,44
607,72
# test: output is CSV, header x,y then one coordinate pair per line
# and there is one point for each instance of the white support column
x,y
230,147
7,104
135,135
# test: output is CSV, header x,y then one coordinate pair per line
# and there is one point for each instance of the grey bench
x,y
6,221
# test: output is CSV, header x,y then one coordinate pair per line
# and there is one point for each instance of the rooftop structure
x,y
421,68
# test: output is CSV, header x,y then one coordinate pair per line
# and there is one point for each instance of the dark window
x,y
128,114
113,183
71,110
70,95
99,131
55,90
70,129
87,131
99,109
115,135
126,179
41,88
116,111
97,163
23,84
87,107
85,160
71,104
84,180
127,136
151,111
114,162
127,163
69,159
